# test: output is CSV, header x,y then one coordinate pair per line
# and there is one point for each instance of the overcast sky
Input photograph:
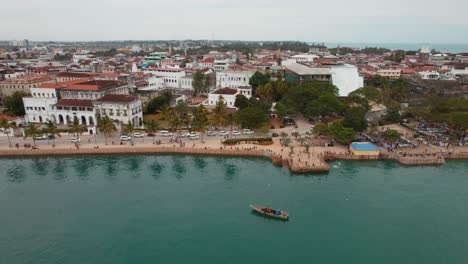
x,y
398,21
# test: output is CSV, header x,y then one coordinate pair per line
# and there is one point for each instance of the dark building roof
x,y
121,98
74,102
225,91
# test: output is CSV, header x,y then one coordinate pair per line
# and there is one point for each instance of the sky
x,y
371,21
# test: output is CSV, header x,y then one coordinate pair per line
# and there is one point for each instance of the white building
x,y
429,75
233,79
39,107
346,77
86,100
228,95
121,108
171,76
220,65
151,83
186,82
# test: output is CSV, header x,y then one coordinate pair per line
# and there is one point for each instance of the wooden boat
x,y
270,212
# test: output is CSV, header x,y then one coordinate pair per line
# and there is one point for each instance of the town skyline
x,y
363,20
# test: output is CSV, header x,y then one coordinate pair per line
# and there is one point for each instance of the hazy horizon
x,y
418,21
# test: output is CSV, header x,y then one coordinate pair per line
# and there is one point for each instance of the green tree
x,y
241,101
157,103
5,128
392,115
106,126
340,133
321,129
218,116
199,83
75,128
31,131
175,120
52,130
286,141
164,112
151,127
258,79
391,135
459,123
295,134
283,135
200,120
128,128
14,103
355,118
252,117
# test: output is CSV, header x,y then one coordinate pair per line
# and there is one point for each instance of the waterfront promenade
x,y
295,158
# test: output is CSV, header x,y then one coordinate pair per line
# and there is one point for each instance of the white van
x,y
165,133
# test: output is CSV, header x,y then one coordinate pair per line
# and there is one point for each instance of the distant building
x,y
389,73
23,84
233,79
228,95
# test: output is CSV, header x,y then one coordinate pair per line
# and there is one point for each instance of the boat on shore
x,y
270,212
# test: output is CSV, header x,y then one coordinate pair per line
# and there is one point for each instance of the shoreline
x,y
314,163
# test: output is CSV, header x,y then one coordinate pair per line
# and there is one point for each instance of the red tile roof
x,y
93,85
74,102
7,117
225,91
122,98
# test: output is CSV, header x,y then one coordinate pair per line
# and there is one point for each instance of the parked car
x,y
151,135
193,136
40,137
211,133
223,133
165,133
125,138
235,133
75,140
274,134
138,135
50,137
248,132
182,135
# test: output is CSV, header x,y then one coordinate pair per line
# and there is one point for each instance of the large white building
x,y
233,79
86,100
171,76
228,95
220,65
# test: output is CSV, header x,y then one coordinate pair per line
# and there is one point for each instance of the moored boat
x,y
270,212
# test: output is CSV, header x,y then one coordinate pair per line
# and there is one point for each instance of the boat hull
x,y
260,210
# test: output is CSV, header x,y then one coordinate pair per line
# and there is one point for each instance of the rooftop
x,y
302,69
122,98
227,91
74,102
363,146
94,85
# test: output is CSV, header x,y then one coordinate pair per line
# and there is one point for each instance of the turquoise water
x,y
189,209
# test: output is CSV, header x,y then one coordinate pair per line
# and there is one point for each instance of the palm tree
x,y
230,120
164,112
152,127
128,128
5,128
106,126
75,128
175,120
51,130
283,135
307,147
200,120
31,131
295,134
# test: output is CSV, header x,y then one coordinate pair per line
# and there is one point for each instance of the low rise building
x,y
233,79
228,95
389,73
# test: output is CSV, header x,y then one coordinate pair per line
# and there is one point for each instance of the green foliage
x,y
200,83
355,118
367,50
106,53
258,79
63,57
391,135
14,103
200,119
241,101
341,134
233,141
252,117
157,103
321,129
392,116
459,123
106,126
30,131
75,128
312,99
